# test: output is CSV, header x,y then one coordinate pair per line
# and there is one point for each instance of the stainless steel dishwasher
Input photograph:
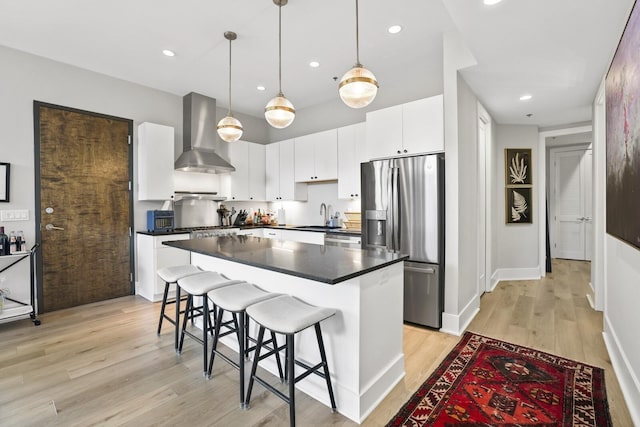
x,y
343,240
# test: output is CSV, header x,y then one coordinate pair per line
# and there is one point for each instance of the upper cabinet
x,y
316,157
280,181
351,152
248,180
155,161
407,129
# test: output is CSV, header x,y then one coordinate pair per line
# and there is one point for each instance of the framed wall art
x,y
518,184
5,174
519,205
622,87
518,166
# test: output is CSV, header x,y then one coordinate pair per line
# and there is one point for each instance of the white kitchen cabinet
x,y
351,152
151,255
316,157
248,180
384,132
155,161
272,233
280,181
408,129
423,125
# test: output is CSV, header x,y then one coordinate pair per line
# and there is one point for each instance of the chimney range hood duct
x,y
199,129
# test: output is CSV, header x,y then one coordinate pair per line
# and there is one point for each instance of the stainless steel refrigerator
x,y
403,211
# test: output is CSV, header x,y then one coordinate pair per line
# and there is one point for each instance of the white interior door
x,y
572,200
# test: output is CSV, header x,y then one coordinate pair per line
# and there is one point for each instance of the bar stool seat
x,y
198,285
235,299
171,275
288,315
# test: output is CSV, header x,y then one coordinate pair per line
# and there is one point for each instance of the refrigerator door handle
x,y
390,211
395,207
420,270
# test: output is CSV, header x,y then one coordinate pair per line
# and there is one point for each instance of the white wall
x,y
308,213
516,246
621,318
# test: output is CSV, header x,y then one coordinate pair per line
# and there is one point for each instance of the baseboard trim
x,y
502,274
456,324
628,382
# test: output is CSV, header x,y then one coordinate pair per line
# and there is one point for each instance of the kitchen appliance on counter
x,y
160,220
403,211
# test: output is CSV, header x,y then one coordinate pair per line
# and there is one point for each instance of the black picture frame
x,y
5,174
518,166
519,205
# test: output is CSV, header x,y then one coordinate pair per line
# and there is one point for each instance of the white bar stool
x,y
288,315
198,285
235,299
171,275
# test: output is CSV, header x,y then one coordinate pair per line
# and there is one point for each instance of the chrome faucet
x,y
323,212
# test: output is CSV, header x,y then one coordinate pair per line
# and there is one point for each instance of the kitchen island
x,y
363,340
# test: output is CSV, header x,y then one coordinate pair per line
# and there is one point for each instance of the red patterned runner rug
x,y
488,382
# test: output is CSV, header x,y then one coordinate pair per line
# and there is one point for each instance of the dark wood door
x,y
84,207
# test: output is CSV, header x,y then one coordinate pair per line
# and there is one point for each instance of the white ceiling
x,y
555,50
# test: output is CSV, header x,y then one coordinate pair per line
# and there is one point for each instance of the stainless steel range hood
x,y
199,141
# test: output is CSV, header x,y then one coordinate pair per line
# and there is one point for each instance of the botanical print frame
x,y
622,87
517,166
519,205
5,174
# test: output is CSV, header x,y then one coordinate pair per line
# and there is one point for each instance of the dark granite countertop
x,y
313,229
327,264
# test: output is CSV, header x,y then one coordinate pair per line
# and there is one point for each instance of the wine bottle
x,y
13,248
4,243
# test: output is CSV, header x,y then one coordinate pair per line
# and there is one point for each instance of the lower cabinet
x,y
312,237
151,255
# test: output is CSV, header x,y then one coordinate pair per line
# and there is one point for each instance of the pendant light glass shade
x,y
279,112
358,87
230,128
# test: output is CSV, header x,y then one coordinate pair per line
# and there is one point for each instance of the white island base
x,y
363,340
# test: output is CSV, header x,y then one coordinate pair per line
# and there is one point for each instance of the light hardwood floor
x,y
102,364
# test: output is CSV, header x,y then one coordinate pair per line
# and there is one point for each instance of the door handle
x,y
50,227
420,270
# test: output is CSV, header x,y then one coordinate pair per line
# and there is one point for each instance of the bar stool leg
x,y
254,365
187,311
325,365
205,333
164,304
292,379
177,325
241,357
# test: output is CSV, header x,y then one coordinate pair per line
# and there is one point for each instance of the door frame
x,y
542,188
486,158
552,183
37,188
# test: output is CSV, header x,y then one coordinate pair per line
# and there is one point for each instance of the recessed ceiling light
x,y
525,97
314,64
260,88
395,29
491,2
167,52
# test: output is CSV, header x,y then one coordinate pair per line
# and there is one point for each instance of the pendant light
x,y
230,128
279,112
358,87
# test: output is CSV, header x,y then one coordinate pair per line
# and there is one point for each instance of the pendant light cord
x,y
280,49
357,39
229,76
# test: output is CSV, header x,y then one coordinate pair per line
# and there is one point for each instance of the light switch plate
x,y
15,215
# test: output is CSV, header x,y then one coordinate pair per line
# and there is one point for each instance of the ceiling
x,y
557,51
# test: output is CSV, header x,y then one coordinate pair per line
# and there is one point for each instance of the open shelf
x,y
12,311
